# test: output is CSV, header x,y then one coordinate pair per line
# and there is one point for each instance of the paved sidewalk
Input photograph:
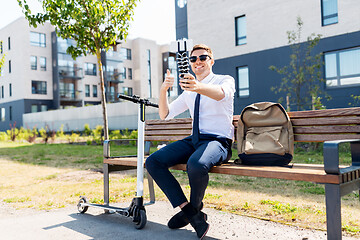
x,y
67,223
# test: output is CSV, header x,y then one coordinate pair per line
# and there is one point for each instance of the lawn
x,y
49,176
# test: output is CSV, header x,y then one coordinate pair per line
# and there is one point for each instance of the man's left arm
x,y
215,91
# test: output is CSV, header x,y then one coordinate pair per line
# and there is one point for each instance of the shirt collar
x,y
208,78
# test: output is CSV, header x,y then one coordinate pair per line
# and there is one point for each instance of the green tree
x,y
95,25
302,78
2,57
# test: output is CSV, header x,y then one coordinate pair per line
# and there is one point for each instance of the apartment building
x,y
249,36
38,74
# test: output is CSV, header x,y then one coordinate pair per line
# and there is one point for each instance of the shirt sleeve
x,y
176,107
228,86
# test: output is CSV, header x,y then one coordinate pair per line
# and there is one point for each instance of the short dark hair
x,y
203,47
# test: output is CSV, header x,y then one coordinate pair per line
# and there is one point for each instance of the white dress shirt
x,y
215,117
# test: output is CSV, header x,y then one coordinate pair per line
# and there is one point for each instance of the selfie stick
x,y
181,47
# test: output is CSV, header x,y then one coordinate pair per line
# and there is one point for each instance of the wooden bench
x,y
333,126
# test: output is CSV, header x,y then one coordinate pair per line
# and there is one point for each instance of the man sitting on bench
x,y
209,144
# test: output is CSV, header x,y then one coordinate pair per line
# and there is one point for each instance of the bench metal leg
x,y
106,183
333,211
151,188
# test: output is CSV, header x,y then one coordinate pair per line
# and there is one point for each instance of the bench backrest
x,y
309,126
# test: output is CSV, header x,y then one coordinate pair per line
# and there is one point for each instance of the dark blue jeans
x,y
208,152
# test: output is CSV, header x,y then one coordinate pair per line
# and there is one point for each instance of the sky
x,y
153,19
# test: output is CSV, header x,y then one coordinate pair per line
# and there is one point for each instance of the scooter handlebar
x,y
137,99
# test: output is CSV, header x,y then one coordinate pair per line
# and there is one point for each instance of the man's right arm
x,y
163,100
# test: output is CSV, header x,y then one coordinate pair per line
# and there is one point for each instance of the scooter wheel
x,y
142,220
82,209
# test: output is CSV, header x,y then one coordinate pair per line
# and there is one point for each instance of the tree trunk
x,y
103,99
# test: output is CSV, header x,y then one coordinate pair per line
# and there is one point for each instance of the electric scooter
x,y
136,210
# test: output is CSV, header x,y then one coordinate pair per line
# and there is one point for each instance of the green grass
x,y
62,155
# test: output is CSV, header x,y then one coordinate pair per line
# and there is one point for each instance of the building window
x,y
37,39
149,71
2,114
243,81
329,12
124,73
10,113
9,44
38,87
90,69
33,62
9,66
342,68
87,90
127,91
10,90
240,30
95,91
43,108
34,108
126,52
2,92
130,73
42,63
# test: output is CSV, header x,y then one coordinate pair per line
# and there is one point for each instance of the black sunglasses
x,y
201,57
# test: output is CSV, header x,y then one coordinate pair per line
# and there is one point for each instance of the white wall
x,y
120,116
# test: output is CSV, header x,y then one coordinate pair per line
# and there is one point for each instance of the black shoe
x,y
179,220
198,222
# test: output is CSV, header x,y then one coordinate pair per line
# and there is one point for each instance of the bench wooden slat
x,y
173,121
355,111
323,137
165,138
166,132
168,126
298,172
327,129
325,121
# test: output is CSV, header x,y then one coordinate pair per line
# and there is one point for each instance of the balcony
x,y
71,72
111,97
114,56
114,77
69,95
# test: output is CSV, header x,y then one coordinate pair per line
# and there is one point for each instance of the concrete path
x,y
67,223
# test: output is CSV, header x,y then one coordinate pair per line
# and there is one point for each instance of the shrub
x,y
133,135
3,136
47,133
74,137
87,130
61,133
126,133
116,134
97,134
13,132
32,134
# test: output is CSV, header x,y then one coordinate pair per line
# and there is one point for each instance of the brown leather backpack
x,y
265,135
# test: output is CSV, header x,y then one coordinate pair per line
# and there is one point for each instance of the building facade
x,y
38,74
247,37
